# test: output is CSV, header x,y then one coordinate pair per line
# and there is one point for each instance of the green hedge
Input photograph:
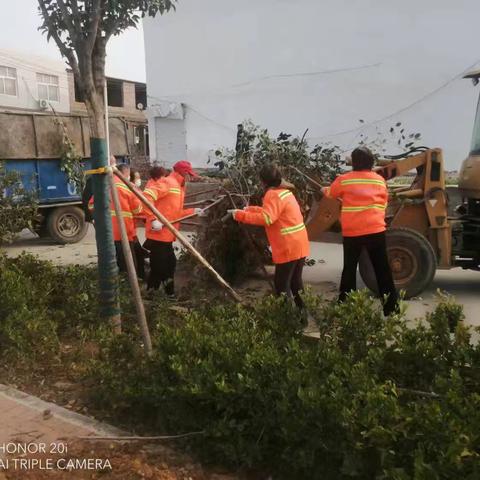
x,y
372,399
40,302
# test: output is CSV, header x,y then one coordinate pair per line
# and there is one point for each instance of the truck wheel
x,y
412,260
67,225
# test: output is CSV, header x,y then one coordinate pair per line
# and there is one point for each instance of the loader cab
x,y
469,177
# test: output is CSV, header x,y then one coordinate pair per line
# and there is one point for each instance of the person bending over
x,y
282,218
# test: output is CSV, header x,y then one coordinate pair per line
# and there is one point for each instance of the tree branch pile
x,y
236,250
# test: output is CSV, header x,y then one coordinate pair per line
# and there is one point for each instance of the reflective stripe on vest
x,y
294,229
268,220
138,210
284,194
377,206
123,186
176,191
124,214
151,193
362,181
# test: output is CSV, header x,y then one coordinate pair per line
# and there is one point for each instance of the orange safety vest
x,y
364,198
168,196
130,206
283,221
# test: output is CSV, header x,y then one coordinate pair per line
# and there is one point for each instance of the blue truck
x,y
60,210
31,145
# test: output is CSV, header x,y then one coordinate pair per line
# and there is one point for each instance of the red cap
x,y
185,168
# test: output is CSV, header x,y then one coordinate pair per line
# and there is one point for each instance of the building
x,y
317,64
35,91
127,102
33,83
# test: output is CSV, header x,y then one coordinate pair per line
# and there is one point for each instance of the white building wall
x,y
167,133
317,64
27,67
171,140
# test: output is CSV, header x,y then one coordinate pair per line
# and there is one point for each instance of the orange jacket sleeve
x,y
253,208
188,211
154,192
334,190
136,206
262,216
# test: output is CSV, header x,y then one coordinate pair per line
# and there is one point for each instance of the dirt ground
x,y
117,461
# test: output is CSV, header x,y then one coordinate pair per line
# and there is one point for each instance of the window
x,y
140,96
115,92
48,88
8,81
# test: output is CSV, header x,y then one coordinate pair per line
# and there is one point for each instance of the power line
x,y
200,114
401,110
227,88
306,74
351,130
211,120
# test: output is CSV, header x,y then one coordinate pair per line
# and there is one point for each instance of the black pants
x,y
288,280
376,247
138,254
162,265
122,266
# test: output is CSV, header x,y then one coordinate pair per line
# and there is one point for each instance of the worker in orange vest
x,y
131,207
282,218
168,196
364,198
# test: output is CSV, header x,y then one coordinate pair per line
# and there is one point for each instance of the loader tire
x,y
67,225
411,258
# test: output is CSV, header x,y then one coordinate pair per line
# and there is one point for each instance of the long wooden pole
x,y
127,251
117,325
310,179
131,271
196,194
181,238
186,217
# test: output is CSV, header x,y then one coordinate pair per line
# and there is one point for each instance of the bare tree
x,y
81,29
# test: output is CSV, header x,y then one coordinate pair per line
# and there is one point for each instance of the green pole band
x,y
107,262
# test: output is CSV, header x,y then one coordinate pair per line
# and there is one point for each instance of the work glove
x,y
229,214
156,226
201,212
233,211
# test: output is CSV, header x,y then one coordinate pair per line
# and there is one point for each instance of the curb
x,y
73,418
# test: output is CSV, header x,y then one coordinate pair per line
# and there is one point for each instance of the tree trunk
x,y
107,264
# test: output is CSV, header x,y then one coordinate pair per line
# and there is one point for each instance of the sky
x,y
19,24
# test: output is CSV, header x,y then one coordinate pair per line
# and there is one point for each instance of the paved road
x,y
463,284
324,276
